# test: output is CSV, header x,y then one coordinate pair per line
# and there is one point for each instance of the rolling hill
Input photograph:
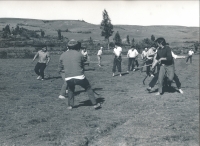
x,y
177,36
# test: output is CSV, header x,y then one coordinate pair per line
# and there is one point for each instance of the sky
x,y
145,13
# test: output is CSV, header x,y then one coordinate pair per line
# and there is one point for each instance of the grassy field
x,y
31,114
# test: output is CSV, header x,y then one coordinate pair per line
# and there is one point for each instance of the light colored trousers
x,y
165,70
64,86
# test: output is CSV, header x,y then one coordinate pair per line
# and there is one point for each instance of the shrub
x,y
3,54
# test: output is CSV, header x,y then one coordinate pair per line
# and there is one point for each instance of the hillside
x,y
175,35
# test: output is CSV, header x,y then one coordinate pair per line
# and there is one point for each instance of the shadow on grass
x,y
166,89
49,78
89,69
88,102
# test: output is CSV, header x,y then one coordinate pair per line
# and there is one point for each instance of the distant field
x,y
32,115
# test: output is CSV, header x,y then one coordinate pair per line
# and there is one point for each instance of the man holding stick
x,y
164,57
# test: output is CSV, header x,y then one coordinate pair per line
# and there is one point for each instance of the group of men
x,y
71,67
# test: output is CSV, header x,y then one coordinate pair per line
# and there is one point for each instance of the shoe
x,y
97,105
99,65
149,89
42,79
38,77
127,71
66,91
113,74
157,93
69,107
181,91
133,69
152,75
120,75
61,97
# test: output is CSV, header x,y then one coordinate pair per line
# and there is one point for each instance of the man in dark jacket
x,y
72,63
164,57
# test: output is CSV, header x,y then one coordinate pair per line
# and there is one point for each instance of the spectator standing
x,y
99,53
190,53
117,59
131,55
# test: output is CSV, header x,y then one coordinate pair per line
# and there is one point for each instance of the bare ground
x,y
32,115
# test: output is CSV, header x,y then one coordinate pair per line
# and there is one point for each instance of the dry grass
x,y
31,113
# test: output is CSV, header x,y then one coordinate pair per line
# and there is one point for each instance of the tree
x,y
59,34
127,39
133,41
153,38
106,27
42,33
117,38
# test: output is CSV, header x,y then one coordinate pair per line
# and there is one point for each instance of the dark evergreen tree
x,y
127,39
106,27
117,38
59,34
153,38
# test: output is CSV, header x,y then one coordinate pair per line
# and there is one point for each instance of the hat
x,y
73,44
101,47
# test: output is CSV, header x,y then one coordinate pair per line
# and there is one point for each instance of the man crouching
x,y
72,62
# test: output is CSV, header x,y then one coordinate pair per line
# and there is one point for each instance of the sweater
x,y
72,63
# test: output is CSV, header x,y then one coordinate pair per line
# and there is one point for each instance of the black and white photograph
x,y
99,73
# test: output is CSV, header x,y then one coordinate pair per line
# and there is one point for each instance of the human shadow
x,y
166,89
88,102
123,74
89,69
49,78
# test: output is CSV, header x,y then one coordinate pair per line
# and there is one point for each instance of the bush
x,y
3,54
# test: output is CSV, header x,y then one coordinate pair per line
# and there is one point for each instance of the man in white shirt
x,y
144,58
99,56
117,59
131,55
190,53
150,56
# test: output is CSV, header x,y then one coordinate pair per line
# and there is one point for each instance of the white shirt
x,y
132,53
144,54
190,53
84,53
150,52
99,52
117,51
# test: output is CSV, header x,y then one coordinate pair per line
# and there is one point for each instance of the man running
x,y
131,55
72,62
43,61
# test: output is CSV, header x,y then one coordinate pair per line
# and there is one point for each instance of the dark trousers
x,y
83,83
136,62
148,62
117,63
155,79
131,64
39,69
189,57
